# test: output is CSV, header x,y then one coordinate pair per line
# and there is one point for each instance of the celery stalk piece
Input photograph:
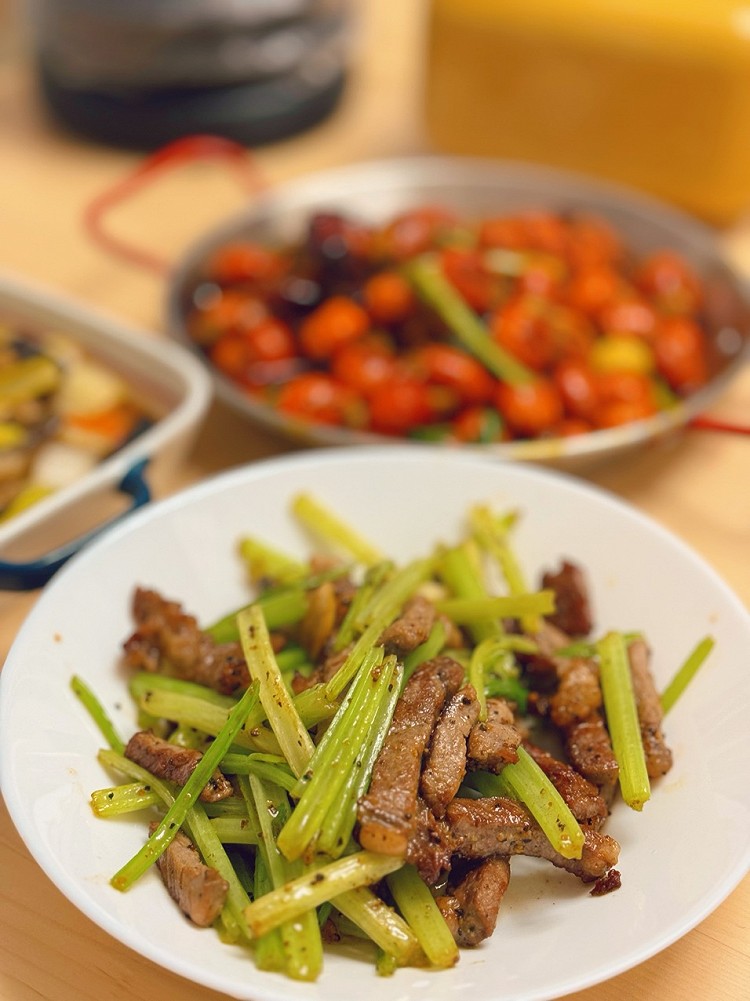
x,y
492,535
210,718
526,782
381,924
685,673
117,800
269,948
271,767
187,796
338,826
281,608
146,681
352,623
294,740
300,937
266,563
484,657
320,788
329,528
417,905
313,888
234,831
433,288
380,612
471,611
622,719
98,713
197,825
460,569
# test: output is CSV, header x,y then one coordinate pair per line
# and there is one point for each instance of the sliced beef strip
x,y
387,813
428,849
411,628
199,890
572,605
650,715
578,693
472,904
166,637
498,826
589,749
177,764
493,742
445,764
586,803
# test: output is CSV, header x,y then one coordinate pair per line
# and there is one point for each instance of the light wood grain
x,y
698,486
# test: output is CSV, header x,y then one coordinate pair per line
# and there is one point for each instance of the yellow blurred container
x,y
654,95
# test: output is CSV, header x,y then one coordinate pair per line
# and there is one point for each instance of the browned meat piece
x,y
583,797
471,906
411,628
493,742
428,849
199,890
445,765
610,881
578,694
572,606
168,639
498,826
650,715
589,750
388,812
177,764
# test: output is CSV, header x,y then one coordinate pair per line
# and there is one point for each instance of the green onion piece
x,y
294,740
334,531
313,888
470,611
97,712
686,673
431,285
129,798
425,651
187,796
622,719
422,914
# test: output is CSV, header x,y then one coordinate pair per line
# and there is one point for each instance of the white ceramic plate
x,y
679,859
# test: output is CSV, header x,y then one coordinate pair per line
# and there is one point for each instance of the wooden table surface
x,y
699,488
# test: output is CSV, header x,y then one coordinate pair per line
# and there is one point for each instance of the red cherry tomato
x,y
629,315
578,388
335,322
363,365
478,425
624,412
667,278
680,352
593,243
317,397
415,231
531,408
388,297
228,311
568,427
399,405
465,270
245,261
624,397
447,366
593,289
522,327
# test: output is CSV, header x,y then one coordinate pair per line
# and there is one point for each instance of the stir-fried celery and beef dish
x,y
437,326
364,750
